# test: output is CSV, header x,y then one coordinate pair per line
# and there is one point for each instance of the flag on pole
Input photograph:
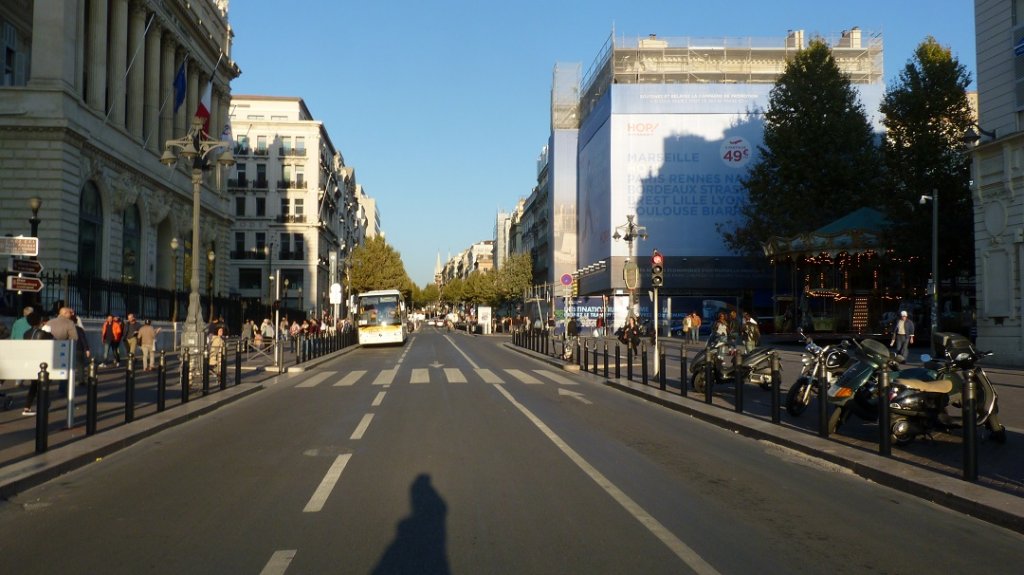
x,y
203,111
179,87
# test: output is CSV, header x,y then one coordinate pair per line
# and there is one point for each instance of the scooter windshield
x,y
858,374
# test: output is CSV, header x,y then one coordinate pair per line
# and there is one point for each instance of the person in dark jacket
x,y
35,332
903,335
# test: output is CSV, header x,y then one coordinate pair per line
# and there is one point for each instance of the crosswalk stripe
x,y
420,375
350,378
523,377
317,379
555,377
488,376
385,377
454,375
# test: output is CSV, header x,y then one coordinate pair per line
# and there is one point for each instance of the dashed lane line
x,y
361,428
323,491
279,562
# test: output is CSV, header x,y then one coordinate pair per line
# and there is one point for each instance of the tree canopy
x,y
926,115
376,265
819,160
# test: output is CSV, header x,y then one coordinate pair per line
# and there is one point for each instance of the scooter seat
x,y
940,386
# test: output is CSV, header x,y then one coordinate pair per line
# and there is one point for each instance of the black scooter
x,y
730,364
825,363
919,401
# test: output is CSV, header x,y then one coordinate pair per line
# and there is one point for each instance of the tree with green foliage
x,y
514,277
819,159
453,292
481,288
926,115
428,295
376,265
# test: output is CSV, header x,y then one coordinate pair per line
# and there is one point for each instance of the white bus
x,y
381,317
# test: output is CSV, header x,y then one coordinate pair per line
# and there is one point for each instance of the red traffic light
x,y
657,259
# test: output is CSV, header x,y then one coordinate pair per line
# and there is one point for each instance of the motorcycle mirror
x,y
925,358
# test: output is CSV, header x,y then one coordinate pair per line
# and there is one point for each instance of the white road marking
x,y
420,375
279,562
350,378
385,377
458,349
676,545
555,377
323,491
361,428
575,395
454,375
379,399
523,376
317,379
488,376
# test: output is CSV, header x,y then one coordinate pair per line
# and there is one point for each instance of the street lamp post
x,y
630,273
34,203
196,148
934,283
286,283
268,252
174,291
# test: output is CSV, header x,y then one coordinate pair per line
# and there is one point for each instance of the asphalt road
x,y
452,454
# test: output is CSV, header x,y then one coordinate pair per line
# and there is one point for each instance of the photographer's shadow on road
x,y
420,544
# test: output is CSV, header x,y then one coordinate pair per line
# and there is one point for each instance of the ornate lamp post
x,y
34,204
268,252
286,283
933,284
630,273
196,148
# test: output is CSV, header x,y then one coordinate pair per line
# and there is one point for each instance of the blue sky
x,y
442,106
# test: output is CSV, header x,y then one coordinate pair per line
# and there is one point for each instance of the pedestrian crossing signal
x,y
657,269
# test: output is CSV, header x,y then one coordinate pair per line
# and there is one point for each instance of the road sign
x,y
567,279
15,283
19,246
26,266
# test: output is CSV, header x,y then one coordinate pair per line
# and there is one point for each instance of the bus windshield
x,y
380,310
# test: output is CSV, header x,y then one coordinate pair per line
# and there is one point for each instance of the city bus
x,y
380,317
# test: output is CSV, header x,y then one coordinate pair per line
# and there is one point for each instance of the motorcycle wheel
x,y
795,403
998,435
697,381
835,420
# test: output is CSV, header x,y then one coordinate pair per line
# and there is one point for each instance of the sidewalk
x,y
20,466
929,468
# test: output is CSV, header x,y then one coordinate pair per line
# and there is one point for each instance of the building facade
x,y
998,178
87,103
294,202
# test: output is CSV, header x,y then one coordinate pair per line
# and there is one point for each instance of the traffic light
x,y
657,269
575,286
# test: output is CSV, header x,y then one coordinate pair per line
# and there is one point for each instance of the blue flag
x,y
179,87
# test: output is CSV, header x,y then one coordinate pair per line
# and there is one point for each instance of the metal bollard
x,y
42,407
661,370
161,382
91,399
222,373
186,376
595,357
238,363
709,375
618,362
606,360
819,376
684,370
970,422
643,363
206,371
585,357
776,388
629,362
884,427
739,379
129,390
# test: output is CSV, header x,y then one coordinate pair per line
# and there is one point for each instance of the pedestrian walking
x,y
217,351
631,334
750,333
35,332
902,335
110,335
695,327
147,342
131,334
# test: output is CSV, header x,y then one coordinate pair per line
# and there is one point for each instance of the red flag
x,y
203,111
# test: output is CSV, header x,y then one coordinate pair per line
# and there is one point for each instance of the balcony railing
x,y
297,152
291,184
260,152
260,184
248,255
242,150
295,256
238,184
290,219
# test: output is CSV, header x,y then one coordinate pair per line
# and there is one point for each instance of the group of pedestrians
x,y
135,335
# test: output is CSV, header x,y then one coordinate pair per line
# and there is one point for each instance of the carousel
x,y
841,279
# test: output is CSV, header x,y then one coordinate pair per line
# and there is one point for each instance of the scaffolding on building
x,y
565,96
722,60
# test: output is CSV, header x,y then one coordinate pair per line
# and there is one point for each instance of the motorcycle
x,y
831,361
855,391
721,352
918,405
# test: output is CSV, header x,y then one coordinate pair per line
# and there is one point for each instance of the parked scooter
x,y
918,405
819,362
855,391
721,352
